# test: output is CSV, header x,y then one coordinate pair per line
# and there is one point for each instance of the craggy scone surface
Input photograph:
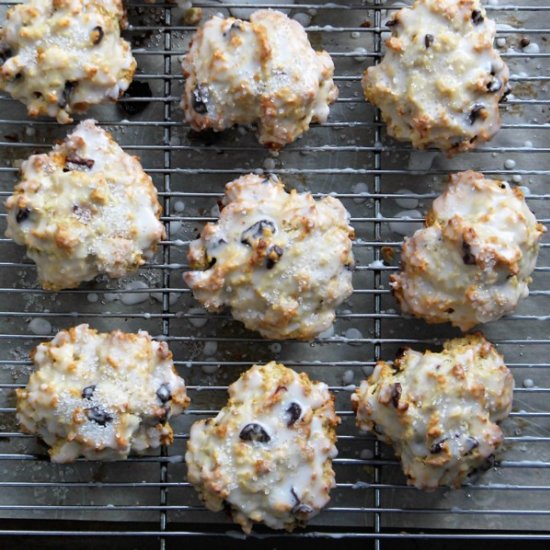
x,y
473,261
438,410
267,455
281,261
261,72
84,209
60,56
101,395
440,81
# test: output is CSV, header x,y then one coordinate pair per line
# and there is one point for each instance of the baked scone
x,y
438,410
473,261
281,261
101,395
60,56
263,72
440,81
85,208
267,455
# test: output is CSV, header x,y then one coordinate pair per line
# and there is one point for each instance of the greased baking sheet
x,y
377,179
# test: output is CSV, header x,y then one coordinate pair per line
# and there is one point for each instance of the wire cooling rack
x,y
147,499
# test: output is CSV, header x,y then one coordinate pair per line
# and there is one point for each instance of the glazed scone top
x,y
441,80
281,261
262,72
473,261
63,55
85,208
268,452
101,395
438,410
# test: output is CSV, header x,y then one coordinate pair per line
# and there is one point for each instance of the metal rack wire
x,y
350,156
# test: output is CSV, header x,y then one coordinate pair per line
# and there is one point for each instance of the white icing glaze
x,y
120,411
473,261
441,80
281,261
262,72
282,480
65,55
82,220
438,410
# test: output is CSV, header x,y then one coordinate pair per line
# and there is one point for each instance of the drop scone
x,y
263,73
440,81
101,396
439,410
267,455
473,261
84,209
281,261
59,57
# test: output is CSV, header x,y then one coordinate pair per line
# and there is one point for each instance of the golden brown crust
x,y
260,72
65,55
439,410
441,80
101,396
268,454
84,209
281,261
473,261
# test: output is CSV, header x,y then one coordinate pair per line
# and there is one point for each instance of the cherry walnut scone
x,y
439,410
440,81
263,72
473,261
60,56
101,396
281,261
267,455
85,208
